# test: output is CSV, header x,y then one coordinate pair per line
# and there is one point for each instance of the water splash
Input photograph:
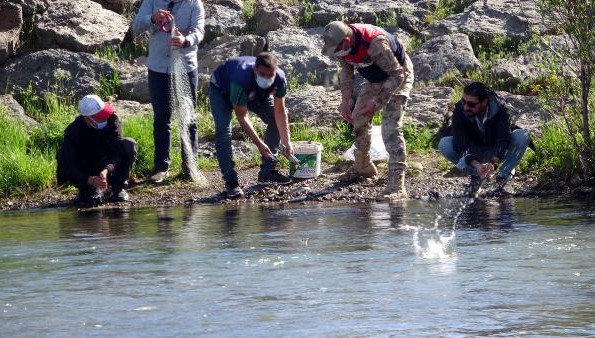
x,y
437,243
182,110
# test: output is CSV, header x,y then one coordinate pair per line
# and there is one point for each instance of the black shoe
x,y
474,186
504,185
122,196
233,189
273,177
86,199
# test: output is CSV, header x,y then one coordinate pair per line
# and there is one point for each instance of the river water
x,y
514,267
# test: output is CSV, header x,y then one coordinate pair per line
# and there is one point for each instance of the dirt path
x,y
426,179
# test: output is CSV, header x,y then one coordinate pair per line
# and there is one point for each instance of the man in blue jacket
x,y
259,85
484,139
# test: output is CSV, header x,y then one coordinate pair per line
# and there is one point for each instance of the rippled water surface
x,y
514,267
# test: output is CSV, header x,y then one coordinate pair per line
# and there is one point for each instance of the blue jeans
x,y
159,90
519,140
222,109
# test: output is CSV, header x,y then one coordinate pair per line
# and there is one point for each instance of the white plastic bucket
x,y
309,154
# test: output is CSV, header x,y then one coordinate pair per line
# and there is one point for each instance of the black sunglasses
x,y
469,104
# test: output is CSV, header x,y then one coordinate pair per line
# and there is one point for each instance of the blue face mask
x,y
263,82
98,125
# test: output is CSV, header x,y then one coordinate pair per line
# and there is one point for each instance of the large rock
x,y
134,83
223,48
429,107
15,110
486,20
11,24
58,71
526,112
221,20
442,54
314,106
118,6
517,69
407,14
31,7
272,15
80,26
125,108
299,53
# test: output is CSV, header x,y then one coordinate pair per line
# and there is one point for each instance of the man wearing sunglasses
x,y
483,140
381,59
94,157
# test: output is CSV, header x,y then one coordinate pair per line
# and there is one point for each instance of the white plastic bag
x,y
377,149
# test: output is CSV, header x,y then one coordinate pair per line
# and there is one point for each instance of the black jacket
x,y
86,151
497,128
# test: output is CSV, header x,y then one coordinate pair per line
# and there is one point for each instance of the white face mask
x,y
342,53
263,82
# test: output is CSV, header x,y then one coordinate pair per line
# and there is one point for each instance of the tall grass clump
x,y
556,155
24,169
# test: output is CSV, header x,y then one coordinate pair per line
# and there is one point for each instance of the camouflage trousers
x,y
392,120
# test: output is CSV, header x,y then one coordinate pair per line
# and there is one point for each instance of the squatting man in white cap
x,y
381,59
94,157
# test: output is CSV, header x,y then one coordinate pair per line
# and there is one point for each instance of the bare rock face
x,y
407,14
221,20
223,48
429,107
272,15
442,54
300,56
30,7
489,19
314,106
55,70
80,26
526,112
514,70
14,109
118,6
134,83
11,24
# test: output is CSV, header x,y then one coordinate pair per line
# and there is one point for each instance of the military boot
x,y
395,187
363,167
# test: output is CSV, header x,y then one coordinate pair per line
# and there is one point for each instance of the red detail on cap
x,y
104,113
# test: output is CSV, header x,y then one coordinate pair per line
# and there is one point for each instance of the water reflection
x,y
96,223
482,214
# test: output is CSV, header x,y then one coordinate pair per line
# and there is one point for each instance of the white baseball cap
x,y
93,105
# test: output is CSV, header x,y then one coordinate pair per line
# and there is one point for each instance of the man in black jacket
x,y
94,157
484,139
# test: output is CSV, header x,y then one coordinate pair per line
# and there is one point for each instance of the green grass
x,y
556,156
23,169
444,9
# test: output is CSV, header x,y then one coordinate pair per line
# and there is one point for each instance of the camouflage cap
x,y
333,34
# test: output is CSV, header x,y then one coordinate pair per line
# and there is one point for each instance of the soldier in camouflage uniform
x,y
381,59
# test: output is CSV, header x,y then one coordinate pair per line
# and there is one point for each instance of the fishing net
x,y
181,106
